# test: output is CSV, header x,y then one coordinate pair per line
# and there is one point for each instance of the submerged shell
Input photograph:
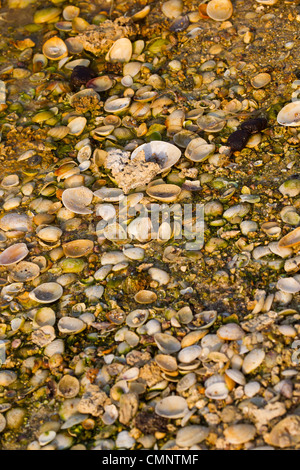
x,y
172,407
25,271
13,254
219,10
55,48
199,150
167,344
70,325
137,318
78,248
77,199
163,153
116,105
47,293
121,51
290,114
164,192
145,297
292,239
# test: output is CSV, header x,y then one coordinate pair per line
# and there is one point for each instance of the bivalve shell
x,y
137,318
240,433
24,271
172,407
163,153
199,150
290,115
164,192
253,360
77,199
47,293
219,10
121,51
189,354
70,325
290,240
55,48
230,332
167,344
78,248
13,254
191,435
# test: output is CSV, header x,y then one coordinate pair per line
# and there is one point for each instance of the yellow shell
x,y
55,48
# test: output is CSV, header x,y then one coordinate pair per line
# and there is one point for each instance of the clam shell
x,y
189,354
292,239
253,360
77,199
13,254
172,407
68,386
164,192
186,382
137,318
261,80
289,115
199,150
288,285
217,391
47,293
236,375
240,433
24,271
45,316
55,48
164,153
70,325
219,10
191,435
230,332
74,46
78,248
116,105
77,125
10,181
159,275
100,84
49,234
15,221
172,8
121,51
145,297
166,362
167,344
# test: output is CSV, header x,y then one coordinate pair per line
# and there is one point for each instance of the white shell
x,y
167,344
290,114
199,150
70,325
77,199
77,125
165,154
172,407
289,285
253,360
13,254
121,51
219,10
47,292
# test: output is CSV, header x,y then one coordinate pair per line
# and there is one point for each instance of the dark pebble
x,y
80,76
180,24
238,140
254,125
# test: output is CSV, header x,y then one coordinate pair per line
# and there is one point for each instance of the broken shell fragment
x,y
13,254
47,293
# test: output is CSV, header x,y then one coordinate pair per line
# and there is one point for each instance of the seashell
x,y
145,297
70,325
88,92
288,285
159,275
56,347
58,132
49,234
290,240
203,320
77,125
15,221
77,199
24,271
7,377
45,316
236,376
186,382
68,386
132,69
166,362
110,194
47,293
121,51
163,153
74,46
164,192
46,15
70,12
199,150
230,332
285,434
219,10
289,115
172,8
193,337
137,318
212,122
116,105
261,80
172,407
184,137
253,360
100,84
167,344
239,433
110,414
189,354
141,14
78,248
251,389
191,435
55,48
185,315
10,181
217,391
13,254
140,229
134,253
